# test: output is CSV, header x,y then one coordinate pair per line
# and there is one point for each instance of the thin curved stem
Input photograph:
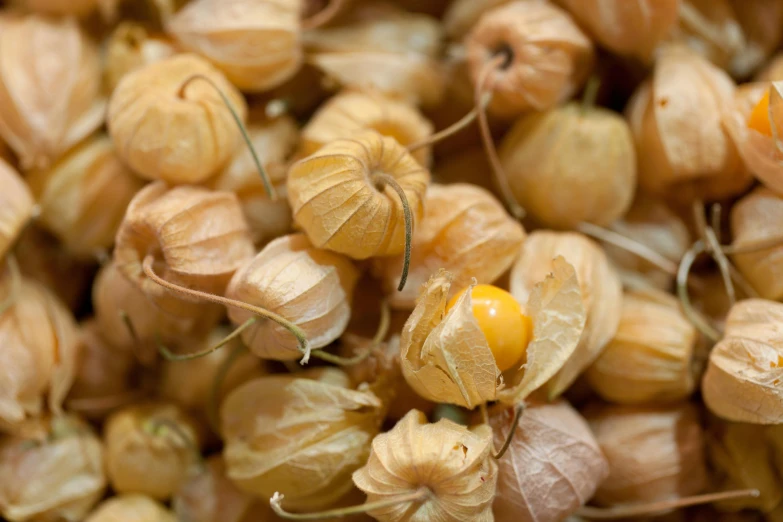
x,y
268,187
629,245
380,335
15,285
213,403
385,179
652,508
297,332
712,247
156,425
324,16
591,93
694,316
514,423
171,356
419,495
452,129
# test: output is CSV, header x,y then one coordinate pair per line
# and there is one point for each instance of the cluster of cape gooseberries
x,y
394,260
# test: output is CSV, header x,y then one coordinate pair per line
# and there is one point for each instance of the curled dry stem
x,y
380,335
700,322
712,246
454,128
381,181
514,423
419,495
171,356
160,427
268,187
324,16
15,283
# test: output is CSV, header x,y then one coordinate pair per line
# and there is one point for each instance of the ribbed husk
x,y
571,164
142,457
549,56
39,357
309,287
130,47
683,149
601,293
352,111
466,231
654,453
639,368
711,28
50,87
304,439
274,141
760,21
553,466
446,358
347,213
84,195
164,133
131,508
16,206
53,473
462,15
745,369
255,43
626,28
451,461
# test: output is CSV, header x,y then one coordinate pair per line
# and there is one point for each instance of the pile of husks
x,y
395,260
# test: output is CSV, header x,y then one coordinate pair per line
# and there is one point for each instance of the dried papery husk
x,y
83,196
304,439
16,206
466,231
760,21
462,15
308,286
571,164
68,7
274,141
627,28
130,47
50,90
599,283
131,508
745,369
169,122
150,449
772,70
39,357
446,358
654,453
351,111
639,368
552,467
711,28
683,150
548,56
348,213
54,473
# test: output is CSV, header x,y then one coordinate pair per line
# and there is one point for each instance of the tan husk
x,y
760,21
571,164
66,7
745,369
150,449
84,195
50,87
336,200
462,15
352,111
131,508
255,43
308,286
639,368
552,466
129,47
601,293
466,231
163,131
548,56
654,453
304,439
446,358
16,206
55,473
771,72
711,28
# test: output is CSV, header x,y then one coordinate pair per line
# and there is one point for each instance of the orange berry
x,y
759,116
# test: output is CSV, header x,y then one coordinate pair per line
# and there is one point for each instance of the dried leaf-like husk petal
x,y
639,368
130,47
601,292
466,231
50,87
55,475
309,287
254,42
711,28
552,466
84,195
304,439
352,111
549,56
571,164
334,198
163,132
16,206
461,15
450,460
745,369
142,457
654,453
131,508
